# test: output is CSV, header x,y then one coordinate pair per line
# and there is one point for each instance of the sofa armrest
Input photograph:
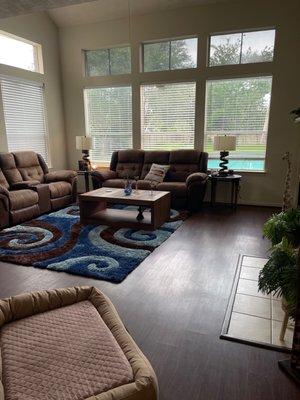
x,y
24,184
63,175
102,176
4,196
197,177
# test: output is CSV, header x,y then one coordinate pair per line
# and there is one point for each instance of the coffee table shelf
x,y
93,208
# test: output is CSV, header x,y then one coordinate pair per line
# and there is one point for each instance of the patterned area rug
x,y
59,242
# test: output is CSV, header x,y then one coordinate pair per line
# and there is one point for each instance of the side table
x,y
86,175
235,187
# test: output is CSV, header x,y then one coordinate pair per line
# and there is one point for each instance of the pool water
x,y
240,165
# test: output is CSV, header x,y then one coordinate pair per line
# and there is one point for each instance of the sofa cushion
x,y
114,183
60,189
157,173
28,164
144,184
182,164
177,189
154,157
3,181
9,169
22,198
130,163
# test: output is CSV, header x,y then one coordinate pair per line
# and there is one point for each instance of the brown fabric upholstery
x,y
186,179
3,181
130,163
9,169
28,165
143,385
20,172
59,189
154,157
177,189
22,198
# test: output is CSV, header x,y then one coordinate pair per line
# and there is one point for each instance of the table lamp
x,y
224,144
85,144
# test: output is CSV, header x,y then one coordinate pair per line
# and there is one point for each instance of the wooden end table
x,y
235,187
86,175
93,208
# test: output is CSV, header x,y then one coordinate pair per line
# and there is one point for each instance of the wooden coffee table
x,y
93,208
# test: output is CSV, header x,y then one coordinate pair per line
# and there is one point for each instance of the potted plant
x,y
279,275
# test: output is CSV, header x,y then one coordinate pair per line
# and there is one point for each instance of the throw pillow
x,y
157,173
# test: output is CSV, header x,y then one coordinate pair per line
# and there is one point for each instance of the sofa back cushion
x,y
154,157
9,168
3,181
128,163
182,164
29,166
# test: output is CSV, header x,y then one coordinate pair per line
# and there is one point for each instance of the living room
x,y
114,117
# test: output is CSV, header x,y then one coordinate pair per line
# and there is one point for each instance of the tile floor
x,y
256,316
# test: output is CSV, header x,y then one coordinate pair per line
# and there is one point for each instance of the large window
x,y
20,53
24,116
168,116
169,55
242,48
108,113
114,61
239,107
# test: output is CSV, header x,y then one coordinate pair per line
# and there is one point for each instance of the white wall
x,y
39,28
257,188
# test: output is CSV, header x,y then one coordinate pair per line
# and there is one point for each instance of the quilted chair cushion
x,y
9,169
20,199
182,164
28,164
3,181
70,344
130,163
60,189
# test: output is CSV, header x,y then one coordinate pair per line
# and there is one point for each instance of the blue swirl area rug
x,y
59,242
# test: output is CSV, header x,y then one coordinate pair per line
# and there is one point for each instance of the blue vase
x,y
128,188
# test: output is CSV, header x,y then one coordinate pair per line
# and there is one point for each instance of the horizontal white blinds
x,y
108,112
24,115
168,116
239,107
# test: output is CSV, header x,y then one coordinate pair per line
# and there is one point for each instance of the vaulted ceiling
x,y
74,12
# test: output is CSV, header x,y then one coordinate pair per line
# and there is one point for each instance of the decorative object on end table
x,y
224,144
85,144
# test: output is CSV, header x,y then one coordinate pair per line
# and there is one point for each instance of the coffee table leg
x,y
140,216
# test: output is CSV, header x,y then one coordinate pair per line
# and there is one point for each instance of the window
x,y
114,61
242,48
239,107
25,116
168,116
108,113
19,53
169,55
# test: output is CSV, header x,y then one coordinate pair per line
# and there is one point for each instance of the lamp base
x,y
223,164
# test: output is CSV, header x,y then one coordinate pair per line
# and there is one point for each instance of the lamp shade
x,y
84,143
224,143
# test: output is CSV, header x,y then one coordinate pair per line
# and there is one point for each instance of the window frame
x,y
173,39
231,32
86,119
42,85
242,76
37,53
108,49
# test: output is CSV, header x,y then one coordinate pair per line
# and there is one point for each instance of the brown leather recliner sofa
x,y
186,178
28,189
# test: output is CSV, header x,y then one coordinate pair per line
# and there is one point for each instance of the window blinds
x,y
24,116
108,113
239,107
168,116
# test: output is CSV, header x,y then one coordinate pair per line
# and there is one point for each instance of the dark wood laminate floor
x,y
174,304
